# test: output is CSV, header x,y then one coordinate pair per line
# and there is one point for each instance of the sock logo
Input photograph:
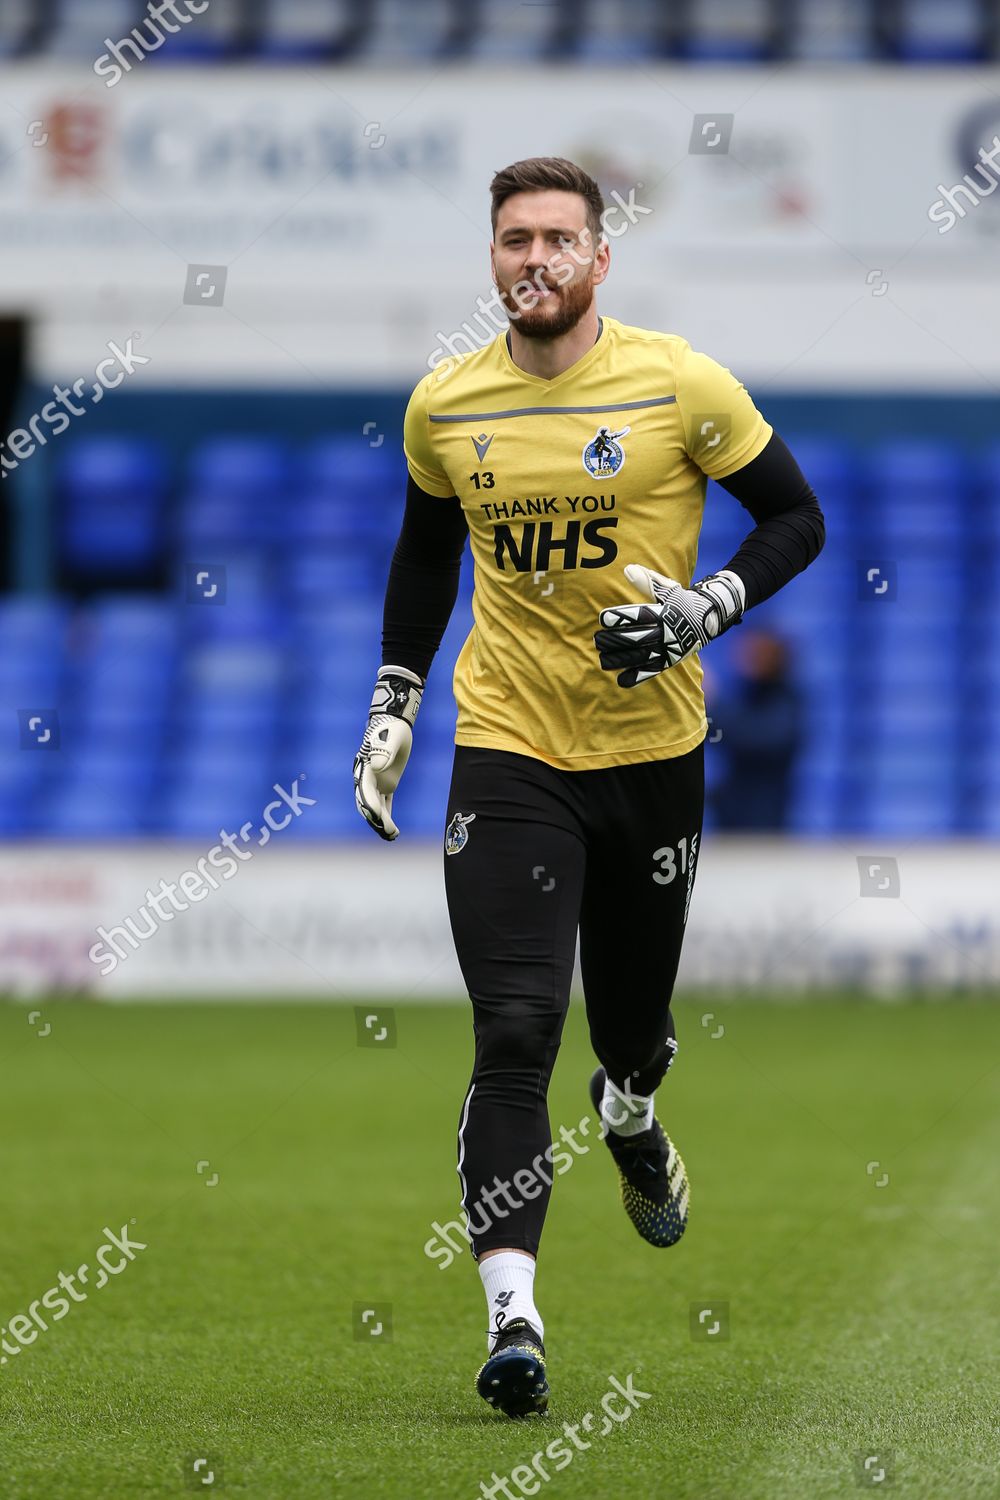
x,y
502,1299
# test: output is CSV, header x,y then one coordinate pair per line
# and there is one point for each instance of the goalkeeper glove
x,y
646,639
385,748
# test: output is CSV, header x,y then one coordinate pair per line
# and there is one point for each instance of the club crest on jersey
x,y
604,454
457,835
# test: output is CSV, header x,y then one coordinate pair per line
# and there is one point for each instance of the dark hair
x,y
537,174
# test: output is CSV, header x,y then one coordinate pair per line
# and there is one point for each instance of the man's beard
x,y
541,321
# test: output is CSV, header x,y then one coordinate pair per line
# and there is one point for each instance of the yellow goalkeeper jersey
x,y
563,482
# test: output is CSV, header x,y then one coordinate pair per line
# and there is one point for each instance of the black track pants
x,y
532,856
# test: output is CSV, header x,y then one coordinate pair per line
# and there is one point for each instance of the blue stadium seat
x,y
827,715
328,519
125,470
990,471
30,677
921,470
247,467
330,671
330,625
817,796
986,517
227,759
908,790
72,26
925,529
255,618
326,573
239,747
197,812
392,38
831,466
901,810
105,540
202,716
986,817
505,34
135,730
325,732
321,689
112,493
929,587
929,32
806,609
244,667
302,31
210,519
727,31
135,619
228,789
904,710
919,495
111,770
351,462
32,622
76,811
215,36
235,573
919,653
92,649
334,815
19,769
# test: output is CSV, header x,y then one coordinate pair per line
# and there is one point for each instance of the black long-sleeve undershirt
x,y
789,532
423,579
423,576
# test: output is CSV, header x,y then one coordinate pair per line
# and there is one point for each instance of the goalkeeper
x,y
572,451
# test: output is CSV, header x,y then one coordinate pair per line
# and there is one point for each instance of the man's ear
x,y
602,262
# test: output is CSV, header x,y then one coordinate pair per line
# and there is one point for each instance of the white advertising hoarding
x,y
780,218
329,923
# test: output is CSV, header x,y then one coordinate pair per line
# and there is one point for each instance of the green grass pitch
x,y
862,1318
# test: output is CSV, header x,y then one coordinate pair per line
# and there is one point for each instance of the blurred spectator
x,y
760,728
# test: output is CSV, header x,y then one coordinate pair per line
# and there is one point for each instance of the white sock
x,y
509,1283
626,1114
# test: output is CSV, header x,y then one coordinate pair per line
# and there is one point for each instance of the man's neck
x,y
548,358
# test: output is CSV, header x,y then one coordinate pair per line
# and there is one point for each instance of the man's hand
x,y
646,639
385,748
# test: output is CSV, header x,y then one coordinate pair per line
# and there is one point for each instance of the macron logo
x,y
482,444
